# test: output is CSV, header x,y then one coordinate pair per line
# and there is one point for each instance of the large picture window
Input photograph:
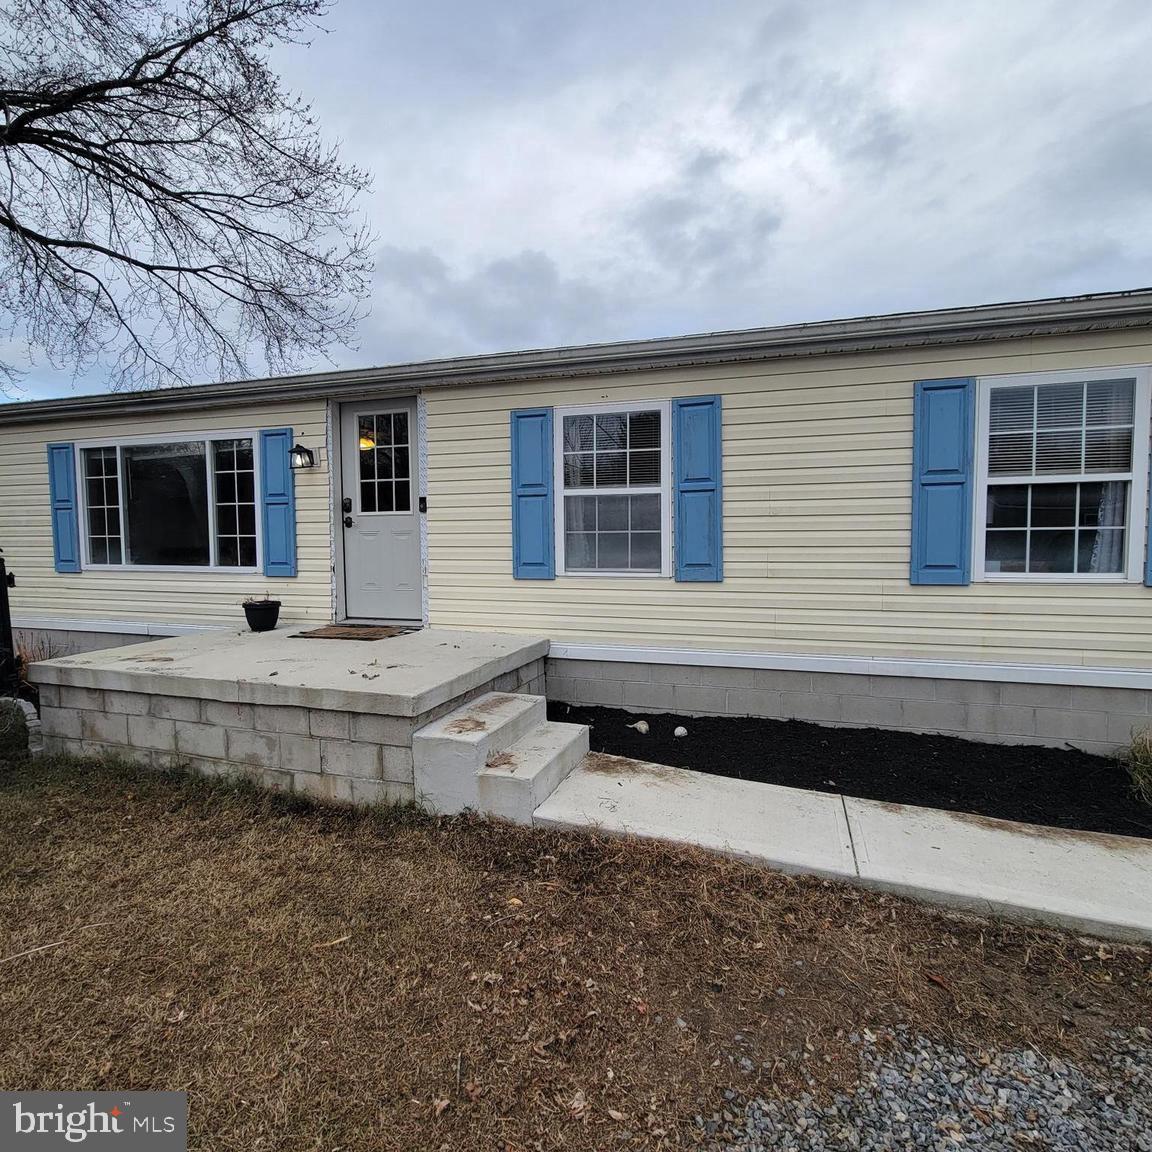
x,y
613,480
1063,469
171,504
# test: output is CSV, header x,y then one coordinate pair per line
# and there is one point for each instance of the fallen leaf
x,y
618,1116
440,1106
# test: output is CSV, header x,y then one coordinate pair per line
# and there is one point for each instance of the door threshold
x,y
380,620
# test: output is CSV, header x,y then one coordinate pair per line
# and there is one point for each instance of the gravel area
x,y
914,1094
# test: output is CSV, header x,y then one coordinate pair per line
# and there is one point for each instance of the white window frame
x,y
413,452
86,562
1137,518
664,489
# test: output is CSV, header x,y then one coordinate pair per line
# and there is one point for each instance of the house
x,y
935,521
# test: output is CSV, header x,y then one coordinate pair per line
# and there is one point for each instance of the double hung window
x,y
613,485
1062,477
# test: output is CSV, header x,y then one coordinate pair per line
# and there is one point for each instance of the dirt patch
x,y
491,704
501,760
1048,832
1061,788
465,724
604,765
321,978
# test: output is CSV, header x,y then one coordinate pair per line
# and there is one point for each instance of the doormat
x,y
356,632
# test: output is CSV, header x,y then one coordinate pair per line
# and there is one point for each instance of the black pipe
x,y
9,678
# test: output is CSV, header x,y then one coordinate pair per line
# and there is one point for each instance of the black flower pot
x,y
262,615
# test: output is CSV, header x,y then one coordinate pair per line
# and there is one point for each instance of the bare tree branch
x,y
165,207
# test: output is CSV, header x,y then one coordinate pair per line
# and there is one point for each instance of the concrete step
x,y
516,781
448,754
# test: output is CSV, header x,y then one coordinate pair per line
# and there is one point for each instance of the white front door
x,y
377,512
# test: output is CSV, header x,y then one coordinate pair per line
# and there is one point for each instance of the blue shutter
x,y
65,517
1148,545
278,500
943,435
697,483
532,534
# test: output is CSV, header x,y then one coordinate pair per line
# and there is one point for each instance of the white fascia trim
x,y
862,665
126,627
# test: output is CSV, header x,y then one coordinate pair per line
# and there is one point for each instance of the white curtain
x,y
1107,554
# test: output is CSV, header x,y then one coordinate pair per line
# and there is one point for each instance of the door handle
x,y
348,521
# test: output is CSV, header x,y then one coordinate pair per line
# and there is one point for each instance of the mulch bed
x,y
1061,788
381,981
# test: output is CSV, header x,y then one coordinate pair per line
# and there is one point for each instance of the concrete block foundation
x,y
1097,720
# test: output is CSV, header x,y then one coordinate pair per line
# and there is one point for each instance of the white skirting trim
x,y
864,665
124,627
701,658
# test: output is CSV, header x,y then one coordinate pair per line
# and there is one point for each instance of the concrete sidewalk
x,y
1087,881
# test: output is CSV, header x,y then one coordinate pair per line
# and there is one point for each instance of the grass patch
x,y
1137,759
318,977
13,734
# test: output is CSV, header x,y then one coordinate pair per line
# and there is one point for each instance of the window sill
x,y
608,575
1054,578
216,570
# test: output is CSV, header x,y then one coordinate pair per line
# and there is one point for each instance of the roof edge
x,y
1099,311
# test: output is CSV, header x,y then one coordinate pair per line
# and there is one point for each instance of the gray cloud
x,y
426,309
700,228
583,169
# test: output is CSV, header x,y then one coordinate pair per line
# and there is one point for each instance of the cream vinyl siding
x,y
817,507
208,598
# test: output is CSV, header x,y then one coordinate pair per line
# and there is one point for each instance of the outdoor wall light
x,y
301,457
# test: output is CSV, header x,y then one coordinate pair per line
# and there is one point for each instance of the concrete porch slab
x,y
400,676
1084,880
786,828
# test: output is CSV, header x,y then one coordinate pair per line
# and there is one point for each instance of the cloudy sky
x,y
564,171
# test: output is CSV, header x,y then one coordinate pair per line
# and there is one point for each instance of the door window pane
x,y
385,462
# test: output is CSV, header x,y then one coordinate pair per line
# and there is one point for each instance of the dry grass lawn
x,y
322,979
